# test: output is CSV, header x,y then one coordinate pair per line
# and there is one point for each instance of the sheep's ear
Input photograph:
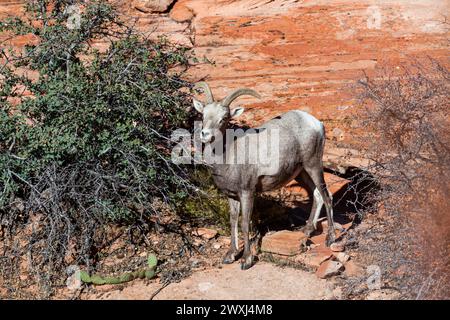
x,y
236,112
198,106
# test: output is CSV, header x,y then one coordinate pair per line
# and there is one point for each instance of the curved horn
x,y
207,90
239,92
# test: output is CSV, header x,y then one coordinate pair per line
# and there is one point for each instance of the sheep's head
x,y
217,114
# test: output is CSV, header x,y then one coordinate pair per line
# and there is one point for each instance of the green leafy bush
x,y
85,143
208,205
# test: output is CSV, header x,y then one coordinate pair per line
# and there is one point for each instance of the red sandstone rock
x,y
297,55
152,5
314,257
181,13
328,269
224,241
337,247
205,233
334,184
319,239
347,225
352,269
342,257
322,225
284,242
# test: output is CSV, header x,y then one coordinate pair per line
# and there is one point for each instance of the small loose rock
x,y
352,269
342,257
337,247
328,269
224,241
181,13
314,257
284,242
205,233
152,5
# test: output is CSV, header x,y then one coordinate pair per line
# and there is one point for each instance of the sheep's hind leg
x,y
316,174
317,203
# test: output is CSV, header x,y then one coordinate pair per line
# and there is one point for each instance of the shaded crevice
x,y
166,11
170,7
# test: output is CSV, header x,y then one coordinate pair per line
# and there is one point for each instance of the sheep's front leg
x,y
247,198
233,252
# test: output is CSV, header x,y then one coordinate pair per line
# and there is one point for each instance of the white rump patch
x,y
310,120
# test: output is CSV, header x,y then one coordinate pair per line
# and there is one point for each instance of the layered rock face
x,y
297,54
304,54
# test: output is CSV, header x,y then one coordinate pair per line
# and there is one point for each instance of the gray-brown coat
x,y
301,139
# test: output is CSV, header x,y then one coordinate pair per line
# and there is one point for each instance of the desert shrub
x,y
407,126
83,134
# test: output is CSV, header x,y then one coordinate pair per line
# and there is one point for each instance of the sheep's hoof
x,y
331,238
247,262
308,229
230,257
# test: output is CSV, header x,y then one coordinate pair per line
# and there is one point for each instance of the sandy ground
x,y
262,281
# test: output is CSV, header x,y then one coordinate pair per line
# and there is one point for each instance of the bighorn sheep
x,y
301,144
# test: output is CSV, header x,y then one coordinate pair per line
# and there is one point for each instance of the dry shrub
x,y
407,125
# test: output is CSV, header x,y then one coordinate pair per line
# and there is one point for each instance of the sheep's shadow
x,y
349,201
